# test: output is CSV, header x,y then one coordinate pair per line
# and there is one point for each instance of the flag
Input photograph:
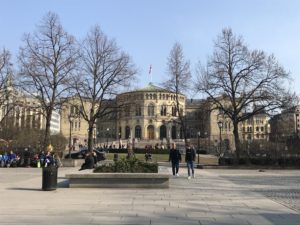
x,y
150,69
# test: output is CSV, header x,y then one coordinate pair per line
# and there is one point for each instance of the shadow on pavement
x,y
25,189
63,184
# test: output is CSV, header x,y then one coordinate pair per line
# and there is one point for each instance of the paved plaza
x,y
214,197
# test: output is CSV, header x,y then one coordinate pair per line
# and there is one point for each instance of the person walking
x,y
190,156
175,158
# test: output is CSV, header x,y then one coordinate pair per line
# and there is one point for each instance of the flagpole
x,y
150,73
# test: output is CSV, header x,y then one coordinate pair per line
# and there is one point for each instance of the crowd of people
x,y
44,159
27,159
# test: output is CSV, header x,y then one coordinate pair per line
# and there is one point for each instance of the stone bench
x,y
118,180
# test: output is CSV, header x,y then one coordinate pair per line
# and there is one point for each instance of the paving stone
x,y
215,197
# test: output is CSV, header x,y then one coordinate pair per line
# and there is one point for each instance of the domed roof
x,y
153,88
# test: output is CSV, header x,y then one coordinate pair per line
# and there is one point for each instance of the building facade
x,y
285,124
256,128
72,124
149,113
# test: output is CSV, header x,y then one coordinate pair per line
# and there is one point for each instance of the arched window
x,y
138,131
163,132
150,131
174,132
174,111
127,132
163,110
151,109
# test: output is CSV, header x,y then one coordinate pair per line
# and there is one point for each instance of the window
x,y
174,111
138,111
138,132
127,110
181,111
163,110
151,109
127,132
262,129
163,132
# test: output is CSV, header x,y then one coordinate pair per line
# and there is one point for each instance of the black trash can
x,y
116,157
49,178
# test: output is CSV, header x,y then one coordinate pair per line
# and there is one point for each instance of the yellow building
x,y
149,113
256,128
73,126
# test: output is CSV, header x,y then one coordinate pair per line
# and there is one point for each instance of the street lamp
x,y
107,137
206,146
71,119
220,125
198,135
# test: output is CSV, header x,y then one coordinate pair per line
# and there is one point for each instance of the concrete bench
x,y
118,180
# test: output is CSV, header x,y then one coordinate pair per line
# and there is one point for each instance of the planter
x,y
118,180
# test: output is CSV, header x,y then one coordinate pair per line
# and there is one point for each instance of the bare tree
x,y
47,60
179,78
6,86
105,69
239,80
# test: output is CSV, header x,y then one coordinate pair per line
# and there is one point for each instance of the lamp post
x,y
220,125
71,119
206,147
107,137
119,140
198,135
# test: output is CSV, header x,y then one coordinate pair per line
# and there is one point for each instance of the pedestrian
x,y
175,158
49,161
190,156
88,162
95,157
57,160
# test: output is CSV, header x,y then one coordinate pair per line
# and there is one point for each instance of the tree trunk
x,y
236,140
47,131
90,136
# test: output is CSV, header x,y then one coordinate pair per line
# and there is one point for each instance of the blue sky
x,y
147,30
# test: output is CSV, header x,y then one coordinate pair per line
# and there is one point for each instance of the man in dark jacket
x,y
189,159
175,158
88,162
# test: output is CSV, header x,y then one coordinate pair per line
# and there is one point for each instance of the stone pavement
x,y
214,197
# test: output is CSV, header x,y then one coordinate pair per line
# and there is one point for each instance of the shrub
x,y
140,151
132,165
